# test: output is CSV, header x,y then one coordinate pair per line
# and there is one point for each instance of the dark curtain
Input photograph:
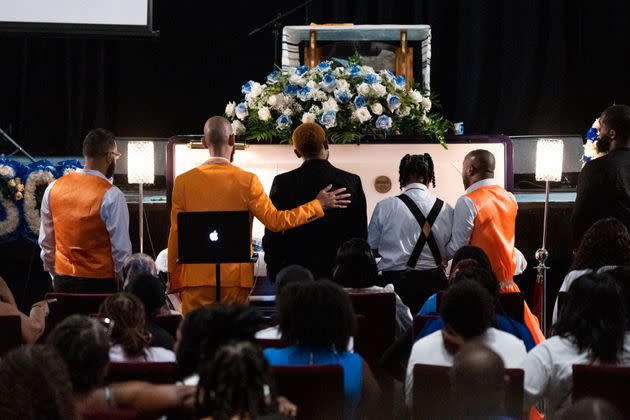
x,y
513,67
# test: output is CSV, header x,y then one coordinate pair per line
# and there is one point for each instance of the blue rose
x,y
393,102
383,122
304,93
283,122
241,111
360,101
291,89
301,70
354,71
342,96
324,66
372,78
329,82
400,81
328,119
591,134
273,76
247,87
390,73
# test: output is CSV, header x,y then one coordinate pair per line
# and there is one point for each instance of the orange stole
x,y
82,244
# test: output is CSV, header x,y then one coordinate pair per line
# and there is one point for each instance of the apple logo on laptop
x,y
214,236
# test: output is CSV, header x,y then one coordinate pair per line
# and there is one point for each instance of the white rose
x,y
257,90
320,95
295,79
366,70
426,104
229,109
403,111
377,108
379,90
273,100
311,84
415,96
288,112
315,110
363,89
362,114
339,71
308,117
596,124
342,84
264,114
237,127
330,105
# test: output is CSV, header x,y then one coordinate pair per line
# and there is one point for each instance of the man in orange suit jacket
x,y
217,185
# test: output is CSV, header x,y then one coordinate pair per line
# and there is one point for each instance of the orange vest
x,y
493,229
82,244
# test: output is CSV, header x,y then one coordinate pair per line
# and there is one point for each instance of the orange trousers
x,y
194,297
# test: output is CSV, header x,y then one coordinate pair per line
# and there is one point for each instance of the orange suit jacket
x,y
220,186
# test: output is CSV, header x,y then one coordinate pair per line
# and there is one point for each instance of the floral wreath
x,y
38,176
348,101
592,146
11,194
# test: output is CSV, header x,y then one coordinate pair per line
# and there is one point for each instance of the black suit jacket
x,y
315,244
603,190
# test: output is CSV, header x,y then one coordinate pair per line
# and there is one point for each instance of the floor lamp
x,y
549,154
140,170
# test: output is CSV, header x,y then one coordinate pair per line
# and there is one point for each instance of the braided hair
x,y
127,312
418,165
235,383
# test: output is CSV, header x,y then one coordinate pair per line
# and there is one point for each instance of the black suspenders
x,y
426,236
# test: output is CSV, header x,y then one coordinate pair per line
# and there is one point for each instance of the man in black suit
x,y
603,188
313,246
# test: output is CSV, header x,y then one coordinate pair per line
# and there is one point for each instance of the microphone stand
x,y
13,142
276,25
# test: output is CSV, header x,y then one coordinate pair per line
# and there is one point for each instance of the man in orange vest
x,y
84,231
217,185
486,217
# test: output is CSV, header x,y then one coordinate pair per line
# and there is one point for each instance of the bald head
x,y
478,379
478,165
218,137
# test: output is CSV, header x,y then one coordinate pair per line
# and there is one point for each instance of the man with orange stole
x,y
217,185
486,217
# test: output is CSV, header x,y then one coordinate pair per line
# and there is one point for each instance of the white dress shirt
x,y
114,213
430,350
549,373
394,231
151,354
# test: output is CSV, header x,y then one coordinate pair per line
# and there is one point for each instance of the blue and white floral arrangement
x,y
591,149
349,102
22,188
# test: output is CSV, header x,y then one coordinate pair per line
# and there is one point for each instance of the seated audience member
x,y
130,341
136,265
591,328
288,275
467,311
152,292
83,343
206,328
33,325
412,251
478,383
34,384
355,269
604,246
501,321
317,321
468,253
237,385
592,409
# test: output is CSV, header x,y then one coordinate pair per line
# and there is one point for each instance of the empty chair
x,y
10,333
611,383
432,392
72,303
317,390
155,372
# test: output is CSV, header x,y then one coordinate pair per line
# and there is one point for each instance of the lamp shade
x,y
140,162
549,153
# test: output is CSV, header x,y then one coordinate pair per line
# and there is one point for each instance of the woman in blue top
x,y
316,320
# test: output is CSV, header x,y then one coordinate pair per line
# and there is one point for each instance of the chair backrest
x,y
378,331
611,383
512,305
562,299
72,303
155,372
432,392
317,390
169,322
10,333
118,414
